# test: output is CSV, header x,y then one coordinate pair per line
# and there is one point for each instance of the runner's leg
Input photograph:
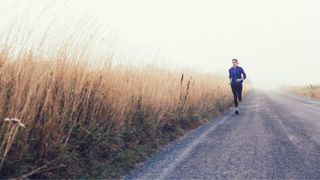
x,y
239,89
234,91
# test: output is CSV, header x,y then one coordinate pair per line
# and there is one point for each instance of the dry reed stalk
x,y
10,128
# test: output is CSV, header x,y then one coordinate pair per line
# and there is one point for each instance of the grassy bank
x,y
62,117
309,91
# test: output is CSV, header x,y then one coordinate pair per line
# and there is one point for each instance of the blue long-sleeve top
x,y
236,73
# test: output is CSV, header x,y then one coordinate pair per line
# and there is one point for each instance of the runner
x,y
236,76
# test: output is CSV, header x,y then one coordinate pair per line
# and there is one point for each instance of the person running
x,y
236,76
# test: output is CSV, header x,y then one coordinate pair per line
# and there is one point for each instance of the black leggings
x,y
237,91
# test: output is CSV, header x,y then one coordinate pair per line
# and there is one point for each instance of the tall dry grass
x,y
89,121
309,91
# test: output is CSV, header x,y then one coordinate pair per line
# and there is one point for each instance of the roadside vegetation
x,y
309,91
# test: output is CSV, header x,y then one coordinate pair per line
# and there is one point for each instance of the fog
x,y
276,42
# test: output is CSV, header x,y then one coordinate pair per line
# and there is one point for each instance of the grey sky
x,y
276,41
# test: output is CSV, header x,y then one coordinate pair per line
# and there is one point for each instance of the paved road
x,y
276,136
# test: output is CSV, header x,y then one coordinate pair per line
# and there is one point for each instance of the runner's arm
x,y
244,74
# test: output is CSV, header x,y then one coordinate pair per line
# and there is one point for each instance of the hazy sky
x,y
276,41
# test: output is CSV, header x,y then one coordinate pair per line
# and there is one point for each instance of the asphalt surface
x,y
276,136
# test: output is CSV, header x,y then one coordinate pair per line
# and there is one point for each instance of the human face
x,y
234,63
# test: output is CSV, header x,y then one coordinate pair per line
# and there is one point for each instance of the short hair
x,y
234,59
